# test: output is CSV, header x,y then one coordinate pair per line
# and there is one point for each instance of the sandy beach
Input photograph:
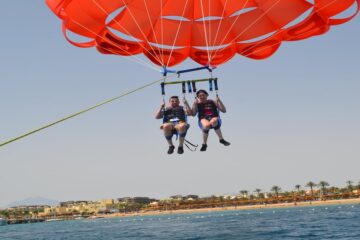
x,y
259,206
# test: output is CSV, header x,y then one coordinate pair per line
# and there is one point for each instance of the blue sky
x,y
291,118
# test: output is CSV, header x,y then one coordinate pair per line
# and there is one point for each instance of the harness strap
x,y
193,145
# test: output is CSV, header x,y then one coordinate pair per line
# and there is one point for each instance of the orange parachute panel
x,y
210,32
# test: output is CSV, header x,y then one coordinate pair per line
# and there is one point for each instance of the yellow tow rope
x,y
82,111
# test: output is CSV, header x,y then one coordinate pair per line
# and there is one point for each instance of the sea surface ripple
x,y
318,222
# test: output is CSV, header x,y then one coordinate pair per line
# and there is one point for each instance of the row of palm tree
x,y
322,186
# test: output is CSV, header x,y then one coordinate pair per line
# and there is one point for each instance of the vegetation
x,y
317,191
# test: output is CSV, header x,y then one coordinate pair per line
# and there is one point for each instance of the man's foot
x,y
171,149
224,142
203,147
180,150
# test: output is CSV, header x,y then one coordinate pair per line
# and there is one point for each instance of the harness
x,y
207,110
174,115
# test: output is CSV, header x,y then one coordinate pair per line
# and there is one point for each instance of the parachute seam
x,y
252,24
255,45
205,32
152,25
137,24
177,33
217,31
140,61
162,29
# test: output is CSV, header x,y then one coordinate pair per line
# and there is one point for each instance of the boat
x,y
3,222
94,217
54,220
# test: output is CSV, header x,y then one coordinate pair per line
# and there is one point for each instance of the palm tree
x,y
276,190
334,190
311,185
297,187
258,191
244,193
349,185
323,185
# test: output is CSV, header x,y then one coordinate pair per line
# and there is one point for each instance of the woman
x,y
208,114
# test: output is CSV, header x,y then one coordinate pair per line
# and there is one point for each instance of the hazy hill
x,y
33,201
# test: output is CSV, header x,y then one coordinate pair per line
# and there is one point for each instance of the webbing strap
x,y
186,144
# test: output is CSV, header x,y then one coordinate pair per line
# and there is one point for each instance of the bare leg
x,y
181,129
214,123
206,125
168,127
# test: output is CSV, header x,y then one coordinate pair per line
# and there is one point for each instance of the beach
x,y
232,208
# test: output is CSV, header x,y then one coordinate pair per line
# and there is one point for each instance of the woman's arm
x,y
220,105
194,108
187,107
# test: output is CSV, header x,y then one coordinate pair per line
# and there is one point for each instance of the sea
x,y
311,222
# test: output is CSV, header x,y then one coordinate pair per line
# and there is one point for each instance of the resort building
x,y
136,200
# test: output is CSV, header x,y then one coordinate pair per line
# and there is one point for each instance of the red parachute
x,y
208,31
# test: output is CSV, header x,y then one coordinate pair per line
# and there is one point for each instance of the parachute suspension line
x,y
249,26
229,30
269,46
82,111
139,61
211,43
136,22
177,33
152,25
162,29
205,32
130,58
217,31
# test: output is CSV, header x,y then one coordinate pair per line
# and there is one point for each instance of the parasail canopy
x,y
208,31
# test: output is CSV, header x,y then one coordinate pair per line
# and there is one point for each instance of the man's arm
x,y
187,107
160,113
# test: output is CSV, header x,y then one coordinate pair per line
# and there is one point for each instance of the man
x,y
174,121
208,114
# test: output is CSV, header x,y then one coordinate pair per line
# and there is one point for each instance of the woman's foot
x,y
171,149
180,150
203,147
224,142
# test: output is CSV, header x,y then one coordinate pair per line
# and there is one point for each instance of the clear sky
x,y
291,118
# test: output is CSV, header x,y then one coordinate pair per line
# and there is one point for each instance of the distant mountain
x,y
33,201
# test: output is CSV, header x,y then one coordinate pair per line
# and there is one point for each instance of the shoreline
x,y
232,208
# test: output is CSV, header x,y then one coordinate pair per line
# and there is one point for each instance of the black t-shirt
x,y
207,110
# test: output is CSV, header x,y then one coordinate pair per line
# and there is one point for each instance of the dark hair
x,y
201,91
176,97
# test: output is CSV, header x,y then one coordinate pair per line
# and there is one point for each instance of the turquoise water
x,y
322,222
